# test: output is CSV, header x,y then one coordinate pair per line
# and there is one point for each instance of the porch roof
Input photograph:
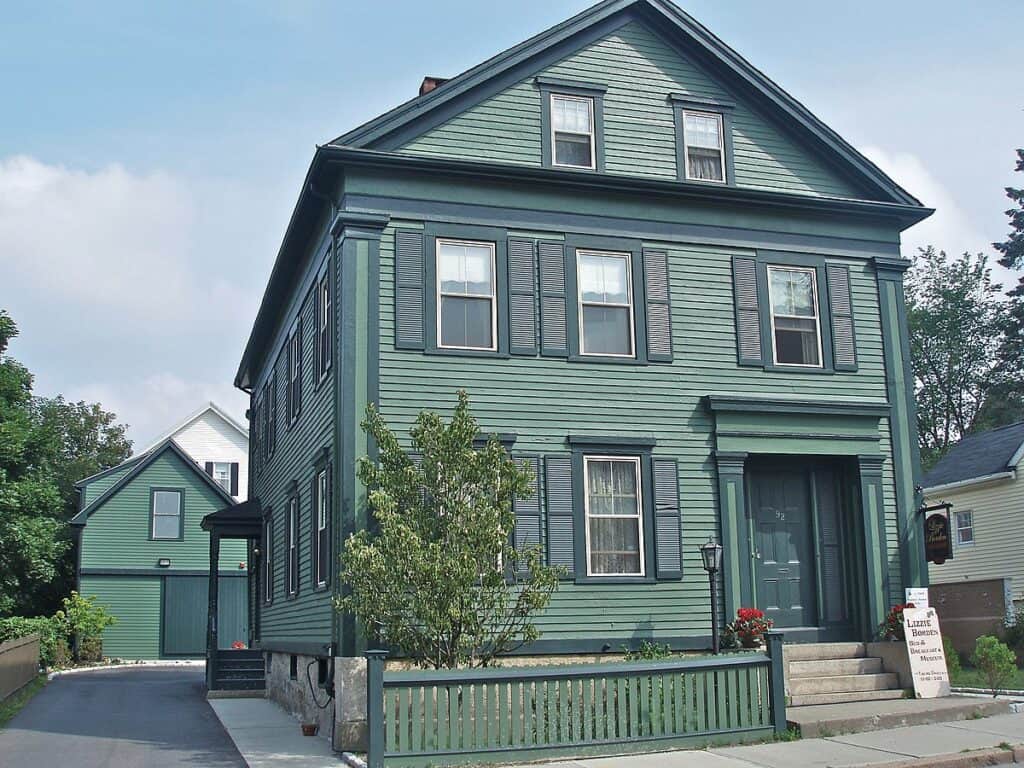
x,y
242,520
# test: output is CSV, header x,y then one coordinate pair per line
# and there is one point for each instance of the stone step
x,y
833,667
234,684
239,674
255,666
812,699
852,717
842,684
823,651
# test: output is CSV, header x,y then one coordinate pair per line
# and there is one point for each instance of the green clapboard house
x,y
663,282
143,555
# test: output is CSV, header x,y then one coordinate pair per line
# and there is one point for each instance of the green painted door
x,y
784,540
186,600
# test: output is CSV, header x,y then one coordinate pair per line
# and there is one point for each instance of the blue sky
x,y
151,153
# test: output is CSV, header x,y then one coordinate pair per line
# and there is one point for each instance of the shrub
x,y
952,657
995,661
649,651
53,647
1013,634
85,621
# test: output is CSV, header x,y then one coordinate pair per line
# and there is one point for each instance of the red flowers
x,y
892,627
749,614
238,645
748,627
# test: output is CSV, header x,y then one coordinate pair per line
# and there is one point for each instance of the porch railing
x,y
527,713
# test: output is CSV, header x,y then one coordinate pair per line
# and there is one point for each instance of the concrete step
x,y
813,699
235,684
853,717
842,684
239,674
823,651
833,667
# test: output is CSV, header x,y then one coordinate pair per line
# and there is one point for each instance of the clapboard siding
x,y
308,617
210,438
135,601
101,485
996,551
543,399
640,71
117,535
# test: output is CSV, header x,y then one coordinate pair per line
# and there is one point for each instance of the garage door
x,y
184,614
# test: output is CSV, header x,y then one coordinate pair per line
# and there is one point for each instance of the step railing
x,y
506,714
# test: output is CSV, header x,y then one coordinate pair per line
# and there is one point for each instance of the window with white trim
x,y
321,485
614,516
323,325
166,515
572,131
606,303
795,318
268,558
964,528
466,313
222,474
293,545
704,146
295,373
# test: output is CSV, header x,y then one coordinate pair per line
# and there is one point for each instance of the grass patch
x,y
791,734
969,677
10,706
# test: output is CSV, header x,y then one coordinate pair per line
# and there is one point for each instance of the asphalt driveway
x,y
121,718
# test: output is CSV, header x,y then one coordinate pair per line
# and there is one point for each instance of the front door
x,y
784,547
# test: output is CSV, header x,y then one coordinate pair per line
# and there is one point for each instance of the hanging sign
x,y
938,543
926,654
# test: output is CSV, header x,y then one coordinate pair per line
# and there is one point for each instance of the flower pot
x,y
750,641
310,729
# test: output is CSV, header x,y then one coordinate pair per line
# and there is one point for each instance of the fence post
x,y
375,708
777,681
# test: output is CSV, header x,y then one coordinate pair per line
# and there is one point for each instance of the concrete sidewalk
x,y
876,748
267,736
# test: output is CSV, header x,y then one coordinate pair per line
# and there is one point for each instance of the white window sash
x,y
268,562
154,514
628,305
293,545
816,317
721,144
491,297
639,516
589,136
321,525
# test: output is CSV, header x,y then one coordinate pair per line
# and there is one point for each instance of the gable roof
x,y
387,131
982,455
109,471
141,463
210,406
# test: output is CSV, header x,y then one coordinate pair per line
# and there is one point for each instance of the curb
x,y
126,665
974,759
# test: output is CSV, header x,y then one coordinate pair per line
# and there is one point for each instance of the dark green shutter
x,y
659,321
748,316
844,341
527,532
553,332
522,297
558,495
668,545
234,478
409,289
208,468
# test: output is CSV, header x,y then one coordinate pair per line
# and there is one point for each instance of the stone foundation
x,y
294,696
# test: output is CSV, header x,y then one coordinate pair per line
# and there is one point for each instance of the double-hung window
x,y
268,558
166,514
795,319
614,516
323,325
704,146
572,131
466,313
964,528
295,373
293,545
222,474
321,506
606,303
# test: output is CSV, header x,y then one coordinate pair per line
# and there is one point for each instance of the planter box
x,y
895,659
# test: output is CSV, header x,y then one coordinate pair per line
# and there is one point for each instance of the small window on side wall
x,y
705,146
796,327
466,314
964,528
166,514
572,131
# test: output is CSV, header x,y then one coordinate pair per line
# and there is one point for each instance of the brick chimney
x,y
430,83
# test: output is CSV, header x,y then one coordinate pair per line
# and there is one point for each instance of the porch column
x,y
211,618
732,514
906,457
875,553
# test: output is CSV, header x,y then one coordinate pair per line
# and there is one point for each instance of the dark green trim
x,y
368,224
321,463
103,473
603,441
737,572
181,512
643,452
891,267
268,519
507,439
680,105
757,404
233,573
559,83
166,445
689,101
498,236
295,648
548,87
326,271
292,587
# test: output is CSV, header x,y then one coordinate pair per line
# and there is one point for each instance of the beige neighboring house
x,y
981,477
217,443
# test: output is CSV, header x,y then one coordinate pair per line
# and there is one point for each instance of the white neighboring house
x,y
217,443
981,477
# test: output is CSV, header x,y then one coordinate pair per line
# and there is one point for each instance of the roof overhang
x,y
972,482
243,520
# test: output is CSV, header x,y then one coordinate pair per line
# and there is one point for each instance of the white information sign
x,y
916,596
927,657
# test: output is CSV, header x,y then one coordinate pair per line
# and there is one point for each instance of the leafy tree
x,y
45,446
954,317
995,661
437,575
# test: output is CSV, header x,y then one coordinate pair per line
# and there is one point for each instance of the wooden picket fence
x,y
503,715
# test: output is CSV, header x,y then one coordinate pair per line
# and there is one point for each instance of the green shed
x,y
143,555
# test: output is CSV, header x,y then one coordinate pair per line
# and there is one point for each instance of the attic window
x,y
572,130
705,148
